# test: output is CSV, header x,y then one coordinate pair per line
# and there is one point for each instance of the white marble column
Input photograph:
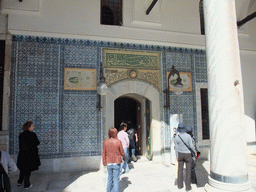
x,y
228,169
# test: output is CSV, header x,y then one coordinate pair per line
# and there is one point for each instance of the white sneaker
x,y
28,187
194,186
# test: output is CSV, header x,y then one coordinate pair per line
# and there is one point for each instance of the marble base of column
x,y
217,186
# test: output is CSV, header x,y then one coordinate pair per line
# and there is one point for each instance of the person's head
x,y
112,132
181,128
189,130
123,126
129,125
28,126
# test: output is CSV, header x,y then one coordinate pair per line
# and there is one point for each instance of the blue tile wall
x,y
184,60
81,131
78,55
200,67
68,123
36,93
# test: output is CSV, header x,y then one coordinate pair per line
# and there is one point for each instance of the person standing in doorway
x,y
183,155
112,154
123,137
28,158
133,137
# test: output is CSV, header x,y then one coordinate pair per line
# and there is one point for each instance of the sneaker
x,y
175,182
193,186
19,184
28,187
134,158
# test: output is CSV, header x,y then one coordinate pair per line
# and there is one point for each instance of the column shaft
x,y
226,106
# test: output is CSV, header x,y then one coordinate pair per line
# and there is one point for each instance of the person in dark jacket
x,y
28,158
193,170
133,137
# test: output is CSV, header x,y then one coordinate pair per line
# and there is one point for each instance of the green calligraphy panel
x,y
131,59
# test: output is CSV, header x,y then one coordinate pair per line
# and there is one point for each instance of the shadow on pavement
x,y
201,172
124,183
50,181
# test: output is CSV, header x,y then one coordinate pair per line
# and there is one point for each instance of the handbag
x,y
193,154
5,183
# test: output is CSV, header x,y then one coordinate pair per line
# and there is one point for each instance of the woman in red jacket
x,y
111,157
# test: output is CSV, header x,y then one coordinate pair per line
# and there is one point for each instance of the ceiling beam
x,y
246,19
151,6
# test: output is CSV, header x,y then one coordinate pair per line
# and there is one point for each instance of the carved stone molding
x,y
150,76
120,64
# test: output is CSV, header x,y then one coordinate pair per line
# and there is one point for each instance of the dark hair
x,y
27,125
130,125
123,125
112,132
190,133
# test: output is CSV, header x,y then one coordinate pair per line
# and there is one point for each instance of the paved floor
x,y
144,176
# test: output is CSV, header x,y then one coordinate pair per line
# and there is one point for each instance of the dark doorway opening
x,y
125,110
129,109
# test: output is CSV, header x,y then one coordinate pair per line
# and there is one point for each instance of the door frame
x,y
141,88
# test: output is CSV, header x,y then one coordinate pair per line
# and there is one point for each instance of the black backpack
x,y
131,133
5,184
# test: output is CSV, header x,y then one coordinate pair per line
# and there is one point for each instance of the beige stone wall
x,y
4,140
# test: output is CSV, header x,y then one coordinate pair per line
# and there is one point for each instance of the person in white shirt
x,y
123,137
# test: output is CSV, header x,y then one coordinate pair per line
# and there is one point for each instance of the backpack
x,y
5,184
131,133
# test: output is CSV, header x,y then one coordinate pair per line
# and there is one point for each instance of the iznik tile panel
x,y
180,59
35,84
80,55
201,67
68,123
80,129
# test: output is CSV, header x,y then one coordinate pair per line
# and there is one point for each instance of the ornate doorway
x,y
146,91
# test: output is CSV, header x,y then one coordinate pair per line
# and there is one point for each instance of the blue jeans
x,y
133,152
132,147
113,178
124,164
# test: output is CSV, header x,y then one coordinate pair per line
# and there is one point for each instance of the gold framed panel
x,y
79,79
186,81
122,58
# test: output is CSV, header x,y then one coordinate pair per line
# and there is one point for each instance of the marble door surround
x,y
143,89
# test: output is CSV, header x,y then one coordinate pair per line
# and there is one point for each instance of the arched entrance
x,y
136,89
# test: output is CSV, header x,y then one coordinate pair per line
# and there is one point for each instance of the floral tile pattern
x,y
67,122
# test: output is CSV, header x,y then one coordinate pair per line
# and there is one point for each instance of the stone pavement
x,y
144,176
